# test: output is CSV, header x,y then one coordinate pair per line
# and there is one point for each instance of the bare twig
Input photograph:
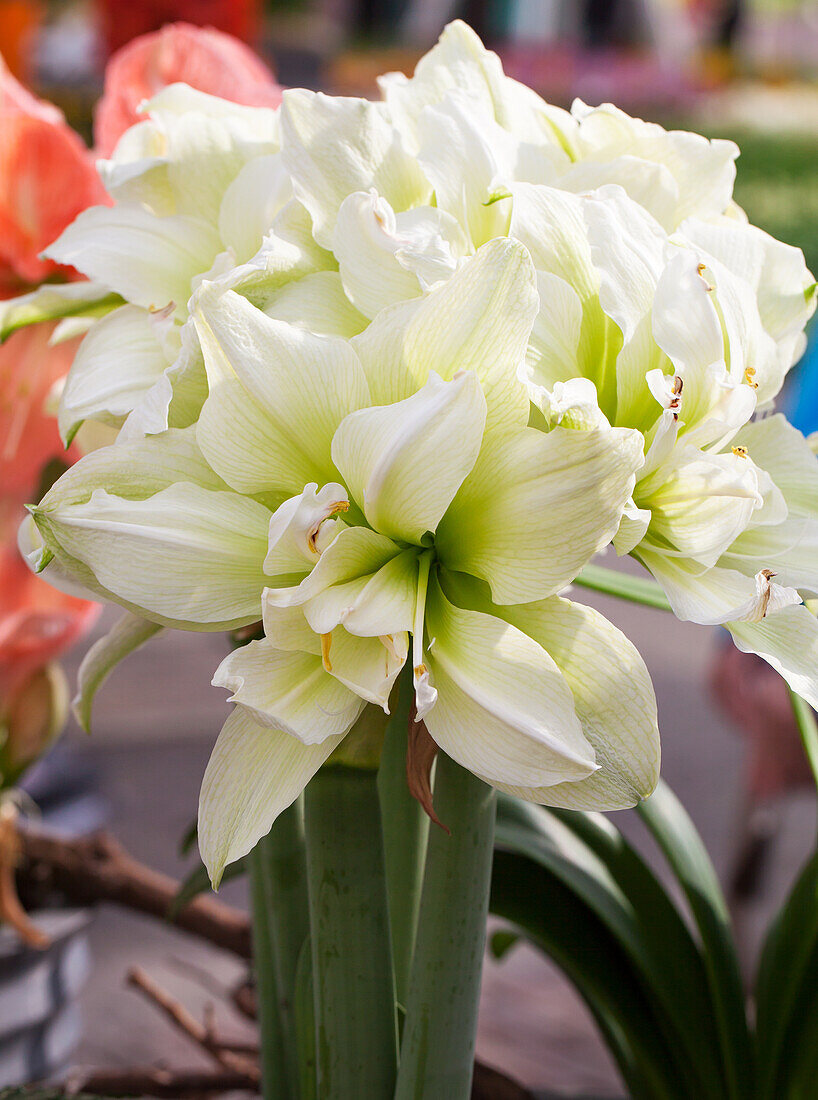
x,y
147,1081
11,911
184,1021
96,868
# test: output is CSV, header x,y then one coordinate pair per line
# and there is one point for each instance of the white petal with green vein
x,y
126,635
503,708
537,506
403,463
254,773
277,394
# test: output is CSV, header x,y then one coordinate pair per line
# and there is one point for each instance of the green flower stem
x,y
437,1054
278,875
623,585
354,987
405,835
808,728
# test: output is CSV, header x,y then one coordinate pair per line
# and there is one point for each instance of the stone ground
x,y
155,723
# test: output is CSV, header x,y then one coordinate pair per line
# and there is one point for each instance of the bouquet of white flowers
x,y
386,376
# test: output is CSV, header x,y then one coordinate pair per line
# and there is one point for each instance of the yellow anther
x,y
420,670
749,376
739,452
701,268
326,642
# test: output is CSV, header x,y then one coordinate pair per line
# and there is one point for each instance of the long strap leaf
x,y
682,846
782,981
674,965
562,925
678,1000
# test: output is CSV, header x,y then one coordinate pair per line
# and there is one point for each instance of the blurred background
x,y
745,69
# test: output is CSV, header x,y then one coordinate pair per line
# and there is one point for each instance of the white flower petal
x,y
538,506
469,161
696,593
704,170
356,552
150,261
126,635
277,394
783,452
403,463
552,354
288,691
333,146
479,320
185,553
503,709
385,258
787,640
106,387
318,304
700,502
599,664
253,774
303,526
375,605
53,300
248,206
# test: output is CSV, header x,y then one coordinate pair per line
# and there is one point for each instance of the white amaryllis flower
x,y
196,186
376,489
661,309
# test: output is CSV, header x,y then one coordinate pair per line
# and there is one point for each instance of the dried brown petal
x,y
420,756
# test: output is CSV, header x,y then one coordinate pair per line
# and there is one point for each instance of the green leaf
x,y
276,1083
648,933
682,846
673,961
783,983
197,882
502,942
556,919
626,587
807,728
405,835
189,838
281,923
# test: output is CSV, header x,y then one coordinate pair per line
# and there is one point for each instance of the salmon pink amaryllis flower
x,y
37,622
202,58
46,178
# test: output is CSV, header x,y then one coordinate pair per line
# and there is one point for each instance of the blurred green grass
x,y
777,184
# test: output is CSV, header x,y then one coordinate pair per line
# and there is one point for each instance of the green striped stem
x,y
353,981
439,1035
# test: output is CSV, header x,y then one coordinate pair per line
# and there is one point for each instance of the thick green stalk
x,y
405,835
808,729
626,587
280,927
439,1034
353,981
275,1085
